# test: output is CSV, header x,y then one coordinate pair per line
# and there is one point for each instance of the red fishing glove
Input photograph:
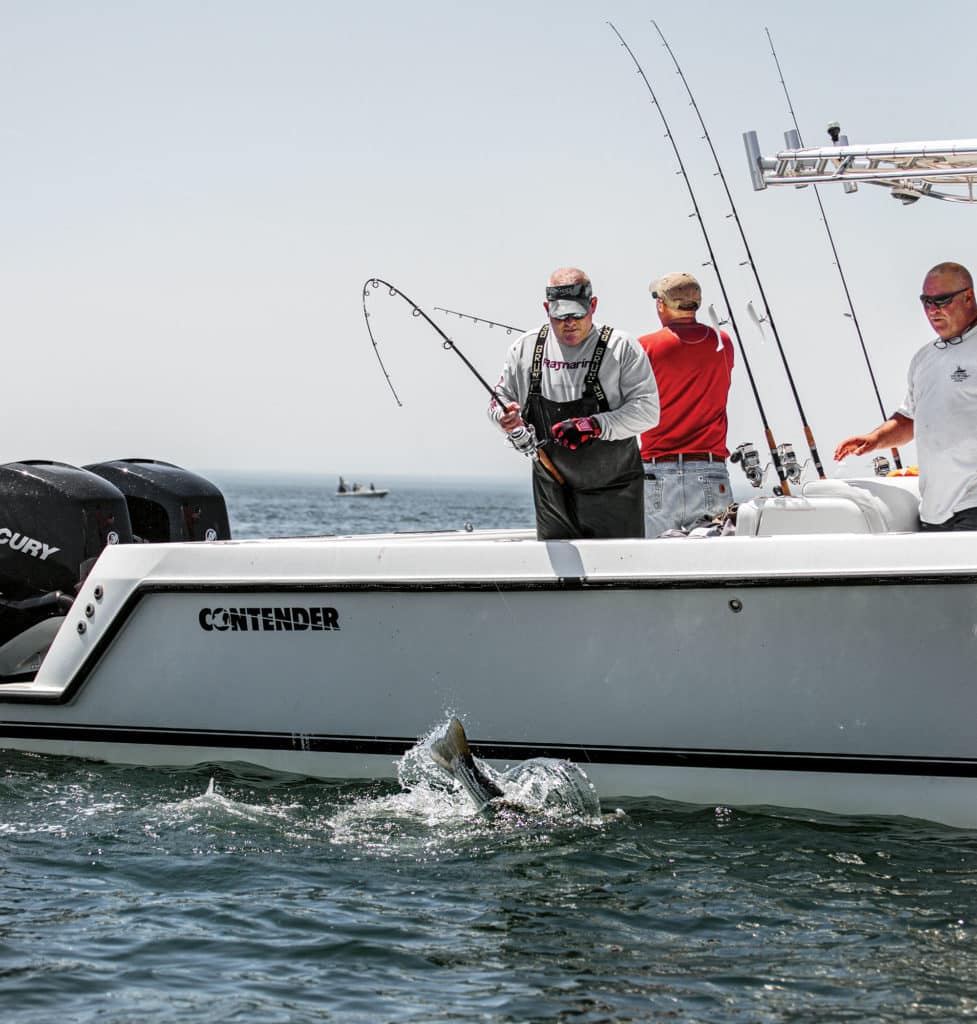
x,y
573,433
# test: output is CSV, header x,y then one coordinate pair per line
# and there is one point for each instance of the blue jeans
x,y
681,495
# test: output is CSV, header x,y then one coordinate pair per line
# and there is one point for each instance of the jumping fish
x,y
541,784
451,752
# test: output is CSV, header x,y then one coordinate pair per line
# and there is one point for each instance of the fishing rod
x,y
834,131
808,433
771,443
509,329
522,438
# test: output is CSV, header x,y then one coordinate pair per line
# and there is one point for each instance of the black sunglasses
x,y
571,316
939,301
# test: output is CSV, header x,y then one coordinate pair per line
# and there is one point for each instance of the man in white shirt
x,y
940,407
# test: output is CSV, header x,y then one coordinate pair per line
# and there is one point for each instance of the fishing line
x,y
771,443
808,433
530,447
834,250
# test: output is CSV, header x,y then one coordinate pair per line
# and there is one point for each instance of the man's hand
x,y
856,446
573,433
897,429
511,418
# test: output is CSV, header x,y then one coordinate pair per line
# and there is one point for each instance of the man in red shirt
x,y
684,457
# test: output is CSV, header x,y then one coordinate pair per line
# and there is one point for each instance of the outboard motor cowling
x,y
54,521
167,503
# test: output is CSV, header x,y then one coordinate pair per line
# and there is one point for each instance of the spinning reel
x,y
747,455
749,458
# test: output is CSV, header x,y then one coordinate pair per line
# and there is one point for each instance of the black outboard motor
x,y
54,521
167,503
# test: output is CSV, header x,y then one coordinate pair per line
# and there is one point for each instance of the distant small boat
x,y
345,490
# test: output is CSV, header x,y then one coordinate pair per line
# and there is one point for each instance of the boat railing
x,y
938,169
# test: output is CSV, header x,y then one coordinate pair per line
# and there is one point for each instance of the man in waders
x,y
940,407
588,391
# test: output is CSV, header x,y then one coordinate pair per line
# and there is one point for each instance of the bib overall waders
x,y
604,491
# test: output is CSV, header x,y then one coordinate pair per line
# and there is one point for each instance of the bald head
x,y
570,305
568,275
955,271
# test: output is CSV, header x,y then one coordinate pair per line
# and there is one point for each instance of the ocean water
x,y
227,894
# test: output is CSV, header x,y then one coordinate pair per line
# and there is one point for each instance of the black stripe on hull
x,y
584,754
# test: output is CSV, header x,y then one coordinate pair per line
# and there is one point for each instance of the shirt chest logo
x,y
959,375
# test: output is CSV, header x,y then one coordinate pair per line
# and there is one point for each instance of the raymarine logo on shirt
x,y
560,364
268,620
959,375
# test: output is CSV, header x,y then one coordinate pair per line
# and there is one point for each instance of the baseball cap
x,y
569,299
678,290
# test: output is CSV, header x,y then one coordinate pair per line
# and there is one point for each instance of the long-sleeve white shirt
x,y
625,376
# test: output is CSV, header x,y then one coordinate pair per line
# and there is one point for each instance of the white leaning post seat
x,y
833,506
899,494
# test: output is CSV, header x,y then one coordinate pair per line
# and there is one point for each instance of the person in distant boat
x,y
940,407
588,391
684,456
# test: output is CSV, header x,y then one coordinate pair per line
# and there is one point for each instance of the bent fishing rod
x,y
835,134
523,439
808,433
509,329
771,443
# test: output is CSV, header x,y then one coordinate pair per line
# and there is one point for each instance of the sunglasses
x,y
939,301
571,316
581,290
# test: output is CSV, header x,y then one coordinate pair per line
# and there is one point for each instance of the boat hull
x,y
715,672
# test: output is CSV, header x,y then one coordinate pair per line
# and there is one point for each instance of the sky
x,y
194,193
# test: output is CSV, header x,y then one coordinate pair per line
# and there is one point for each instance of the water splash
x,y
541,785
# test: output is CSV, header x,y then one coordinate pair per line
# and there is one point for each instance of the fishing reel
x,y
523,439
747,455
789,465
881,465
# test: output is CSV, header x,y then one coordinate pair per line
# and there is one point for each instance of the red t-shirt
x,y
693,385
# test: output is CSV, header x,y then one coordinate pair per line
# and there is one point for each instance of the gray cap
x,y
568,299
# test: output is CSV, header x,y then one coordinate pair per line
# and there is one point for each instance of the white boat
x,y
345,490
821,658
